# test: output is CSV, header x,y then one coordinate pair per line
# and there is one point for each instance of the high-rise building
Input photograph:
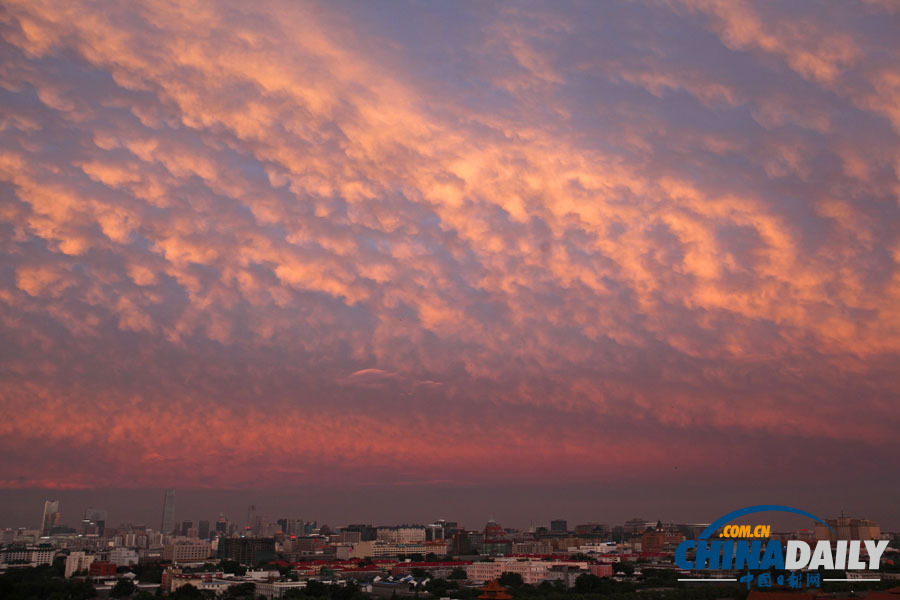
x,y
222,524
203,530
185,527
349,537
559,526
847,528
77,561
94,521
260,525
402,534
186,551
592,527
50,518
292,526
366,532
636,526
168,516
440,530
247,551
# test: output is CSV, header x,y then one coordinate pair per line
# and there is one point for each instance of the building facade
x,y
50,518
848,528
181,552
247,551
168,516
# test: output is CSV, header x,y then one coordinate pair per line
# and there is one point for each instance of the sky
x,y
496,258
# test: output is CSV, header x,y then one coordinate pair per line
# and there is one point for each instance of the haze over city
x,y
368,261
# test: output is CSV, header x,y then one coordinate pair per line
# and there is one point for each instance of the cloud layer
x,y
454,243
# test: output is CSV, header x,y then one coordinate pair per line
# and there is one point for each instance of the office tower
x,y
168,516
94,521
291,526
261,526
203,530
185,527
366,532
848,528
51,516
222,524
247,551
435,531
559,526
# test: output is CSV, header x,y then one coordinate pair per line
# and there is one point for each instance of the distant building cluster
x,y
279,554
847,528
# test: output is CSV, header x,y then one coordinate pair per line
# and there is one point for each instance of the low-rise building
x,y
77,561
538,547
247,551
102,568
403,534
440,569
27,556
604,570
276,589
438,547
566,573
123,557
173,578
389,549
183,552
532,572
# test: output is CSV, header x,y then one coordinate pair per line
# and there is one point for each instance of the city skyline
x,y
255,518
374,258
236,511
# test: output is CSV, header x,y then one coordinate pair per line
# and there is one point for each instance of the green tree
x,y
458,573
317,589
59,566
580,556
123,589
42,582
511,580
149,574
344,592
233,566
588,584
187,592
547,587
241,590
625,568
438,587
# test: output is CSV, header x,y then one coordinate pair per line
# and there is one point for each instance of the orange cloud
x,y
288,241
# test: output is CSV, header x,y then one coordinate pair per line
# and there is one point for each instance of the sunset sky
x,y
436,249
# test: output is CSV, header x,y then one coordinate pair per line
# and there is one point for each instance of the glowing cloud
x,y
242,243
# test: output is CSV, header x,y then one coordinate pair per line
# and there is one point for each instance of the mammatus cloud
x,y
248,244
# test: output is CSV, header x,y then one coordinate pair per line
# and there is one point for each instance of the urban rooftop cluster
x,y
259,556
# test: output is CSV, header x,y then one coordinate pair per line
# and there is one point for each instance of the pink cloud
x,y
251,244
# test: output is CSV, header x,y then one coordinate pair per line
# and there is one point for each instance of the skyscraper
x,y
168,516
185,527
222,524
94,521
51,516
559,526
